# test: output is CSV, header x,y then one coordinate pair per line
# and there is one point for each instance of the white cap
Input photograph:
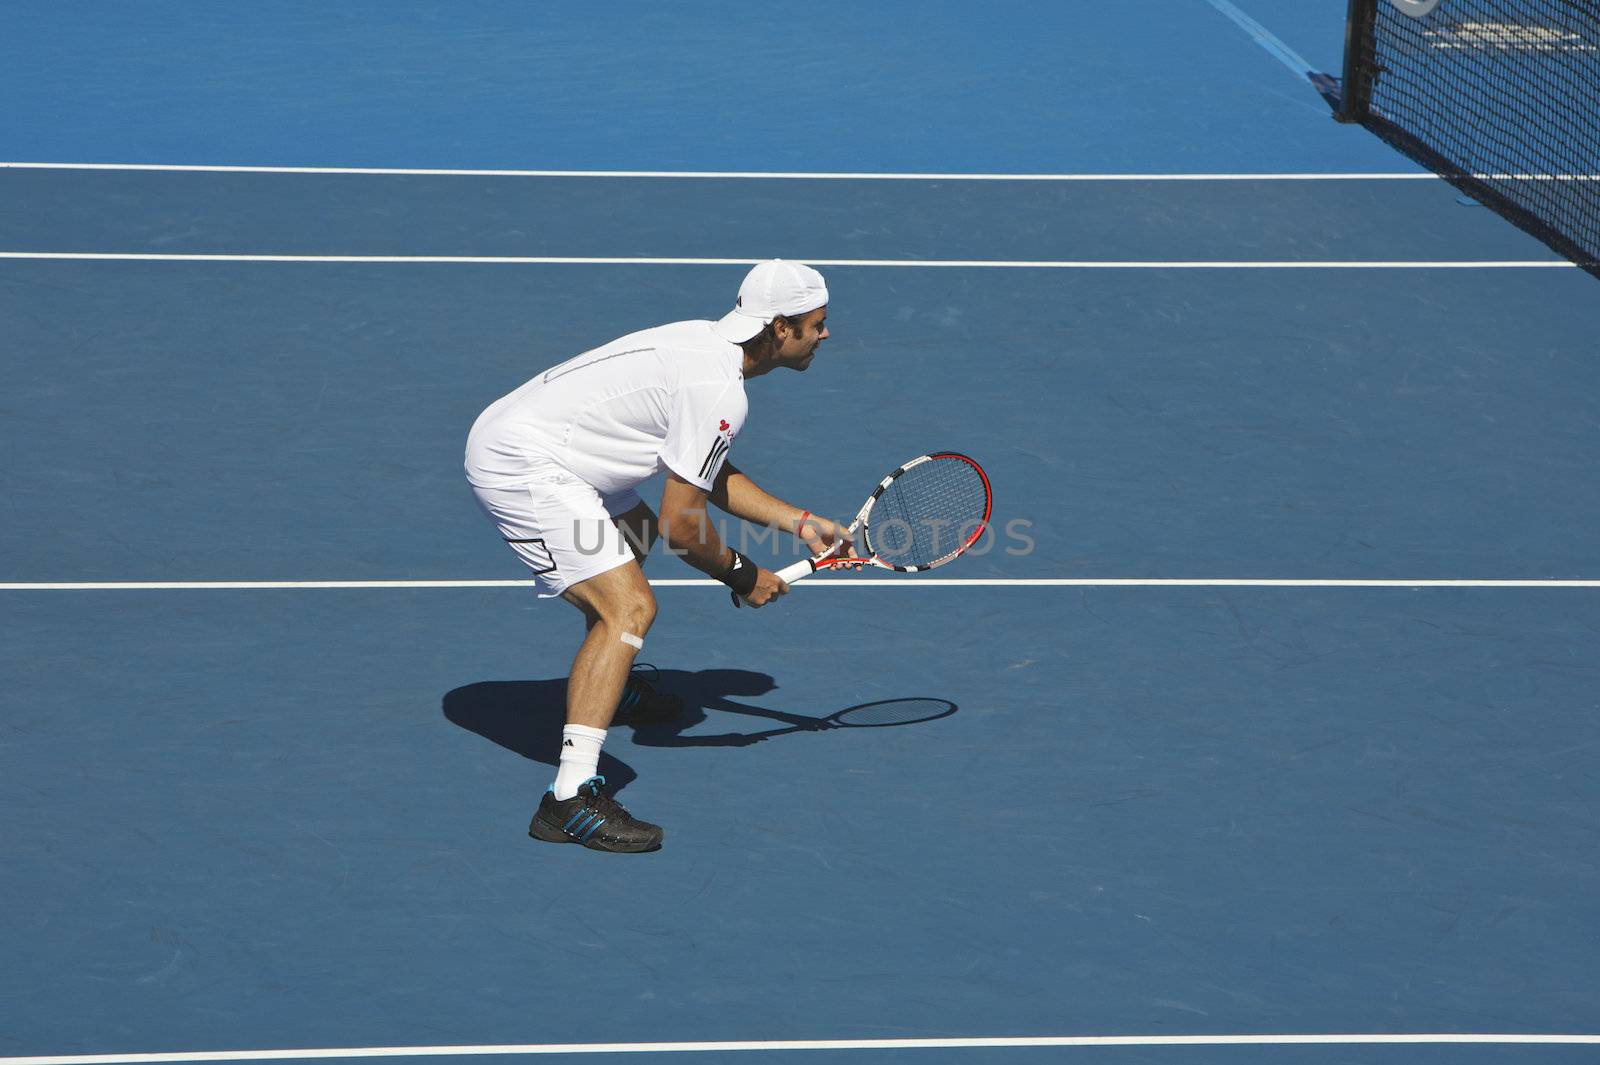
x,y
771,288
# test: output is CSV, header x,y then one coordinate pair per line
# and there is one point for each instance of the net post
x,y
1356,88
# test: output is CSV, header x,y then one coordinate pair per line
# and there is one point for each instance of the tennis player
x,y
555,465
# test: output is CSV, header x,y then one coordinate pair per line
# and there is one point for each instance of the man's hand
x,y
768,587
821,536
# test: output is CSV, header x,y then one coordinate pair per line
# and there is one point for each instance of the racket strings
x,y
928,513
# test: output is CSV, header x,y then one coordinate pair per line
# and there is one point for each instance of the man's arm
x,y
687,528
737,494
734,492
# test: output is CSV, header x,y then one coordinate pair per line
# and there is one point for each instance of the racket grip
x,y
791,573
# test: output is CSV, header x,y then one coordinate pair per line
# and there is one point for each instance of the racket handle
x,y
791,573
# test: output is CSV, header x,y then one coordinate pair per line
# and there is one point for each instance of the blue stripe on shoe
x,y
585,837
588,816
574,819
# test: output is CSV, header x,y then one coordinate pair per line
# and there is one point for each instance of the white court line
x,y
814,1044
1268,40
753,175
823,582
774,175
572,260
717,174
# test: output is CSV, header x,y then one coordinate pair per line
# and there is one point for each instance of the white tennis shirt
x,y
670,397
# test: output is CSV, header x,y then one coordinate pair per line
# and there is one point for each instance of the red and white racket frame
x,y
829,560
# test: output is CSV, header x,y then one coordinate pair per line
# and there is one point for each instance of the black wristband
x,y
741,576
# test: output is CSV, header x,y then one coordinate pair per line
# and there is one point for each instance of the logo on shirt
x,y
719,449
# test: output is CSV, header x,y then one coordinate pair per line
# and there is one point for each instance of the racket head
x,y
928,512
886,713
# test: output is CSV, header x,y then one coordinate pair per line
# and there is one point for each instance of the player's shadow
x,y
526,716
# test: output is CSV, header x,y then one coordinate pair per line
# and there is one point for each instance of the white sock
x,y
580,758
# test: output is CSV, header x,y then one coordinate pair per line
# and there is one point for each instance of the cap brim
x,y
736,327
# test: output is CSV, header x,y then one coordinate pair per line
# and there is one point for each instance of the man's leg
x,y
641,704
619,609
545,523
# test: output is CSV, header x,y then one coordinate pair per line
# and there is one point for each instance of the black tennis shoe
x,y
642,705
593,819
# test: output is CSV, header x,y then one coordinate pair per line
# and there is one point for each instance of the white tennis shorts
x,y
561,527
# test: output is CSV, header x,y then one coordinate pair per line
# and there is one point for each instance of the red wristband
x,y
800,526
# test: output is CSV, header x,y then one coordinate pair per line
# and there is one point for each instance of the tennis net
x,y
1499,97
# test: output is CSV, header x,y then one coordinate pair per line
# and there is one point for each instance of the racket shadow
x,y
525,716
881,713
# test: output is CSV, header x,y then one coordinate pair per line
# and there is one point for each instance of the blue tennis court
x,y
1274,693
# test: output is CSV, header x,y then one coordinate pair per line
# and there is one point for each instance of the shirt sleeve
x,y
705,419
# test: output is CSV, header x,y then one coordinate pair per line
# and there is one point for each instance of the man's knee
x,y
619,597
632,610
636,613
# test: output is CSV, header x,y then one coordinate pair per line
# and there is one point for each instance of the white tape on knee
x,y
633,641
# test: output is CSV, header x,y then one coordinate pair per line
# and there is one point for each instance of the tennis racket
x,y
924,514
